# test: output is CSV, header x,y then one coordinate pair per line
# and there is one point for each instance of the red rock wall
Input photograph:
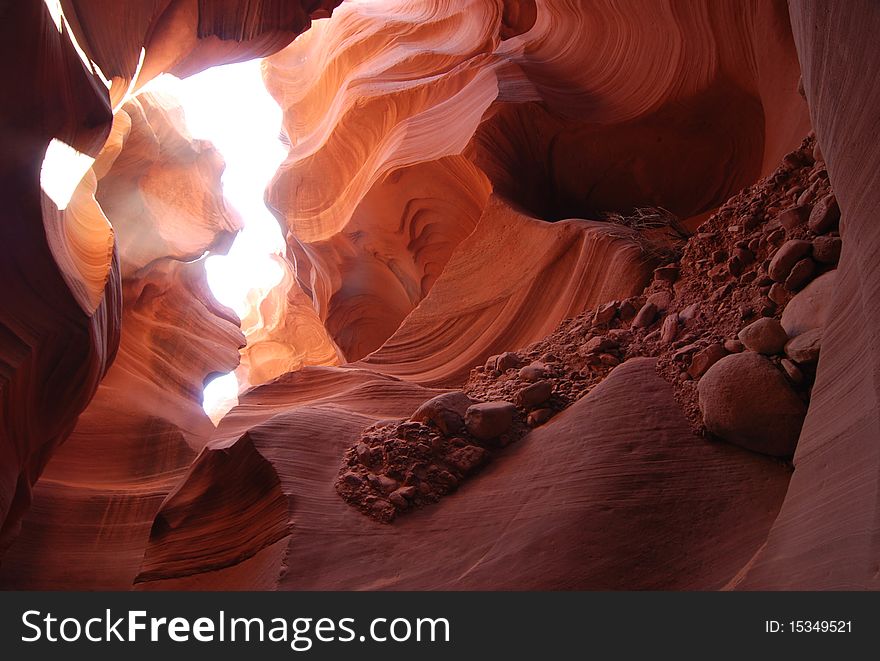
x,y
578,109
53,352
61,297
827,534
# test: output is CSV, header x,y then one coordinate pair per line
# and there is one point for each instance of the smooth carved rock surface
x,y
60,303
94,505
553,495
544,118
834,487
444,201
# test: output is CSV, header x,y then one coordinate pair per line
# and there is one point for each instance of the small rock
x,y
777,293
793,372
352,479
363,453
669,329
791,218
645,316
382,482
598,344
786,257
826,249
534,395
491,363
627,311
685,350
734,266
689,313
776,237
745,256
383,511
765,335
733,346
810,307
703,360
666,274
467,459
804,349
825,215
539,416
508,360
801,274
446,411
397,499
533,372
609,359
806,197
605,313
489,420
661,299
746,401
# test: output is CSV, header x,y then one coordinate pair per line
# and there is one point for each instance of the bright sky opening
x,y
230,106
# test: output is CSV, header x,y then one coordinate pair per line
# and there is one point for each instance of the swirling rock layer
x,y
463,176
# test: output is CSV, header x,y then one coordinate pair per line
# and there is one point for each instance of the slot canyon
x,y
571,295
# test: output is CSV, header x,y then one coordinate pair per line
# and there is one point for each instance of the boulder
x,y
746,401
809,308
766,335
489,420
445,411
